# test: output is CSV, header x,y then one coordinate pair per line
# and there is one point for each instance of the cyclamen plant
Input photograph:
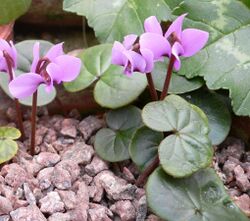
x,y
54,67
8,63
140,53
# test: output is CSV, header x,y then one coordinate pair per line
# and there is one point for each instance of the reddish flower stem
x,y
142,178
19,114
33,124
151,86
39,67
168,77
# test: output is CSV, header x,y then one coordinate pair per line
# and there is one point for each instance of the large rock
x,y
5,206
51,203
80,153
29,213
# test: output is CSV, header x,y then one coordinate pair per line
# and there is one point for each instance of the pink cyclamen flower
x,y
174,42
154,40
127,55
55,66
185,42
10,49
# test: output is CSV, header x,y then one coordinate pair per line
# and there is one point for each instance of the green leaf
x,y
12,9
178,84
188,148
199,197
9,132
24,60
112,143
8,147
113,19
144,145
219,117
113,89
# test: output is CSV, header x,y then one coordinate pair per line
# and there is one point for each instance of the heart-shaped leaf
x,y
113,89
8,147
24,60
144,146
199,197
12,9
219,117
188,148
178,84
112,143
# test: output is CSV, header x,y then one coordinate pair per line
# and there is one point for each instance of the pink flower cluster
x,y
140,53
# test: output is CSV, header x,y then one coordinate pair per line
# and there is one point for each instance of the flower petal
x,y
65,68
149,59
176,27
155,43
3,65
177,50
129,40
117,53
134,62
36,57
25,85
11,50
54,52
193,40
14,54
152,25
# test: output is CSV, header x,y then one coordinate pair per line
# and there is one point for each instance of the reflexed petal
x,y
4,45
69,68
152,25
14,54
129,40
176,27
54,72
49,87
11,50
135,62
177,50
193,40
36,56
3,65
155,43
117,53
149,59
25,85
54,52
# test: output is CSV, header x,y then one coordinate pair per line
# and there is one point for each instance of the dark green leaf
x,y
113,89
188,148
219,117
25,57
112,143
12,9
197,198
144,146
113,19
